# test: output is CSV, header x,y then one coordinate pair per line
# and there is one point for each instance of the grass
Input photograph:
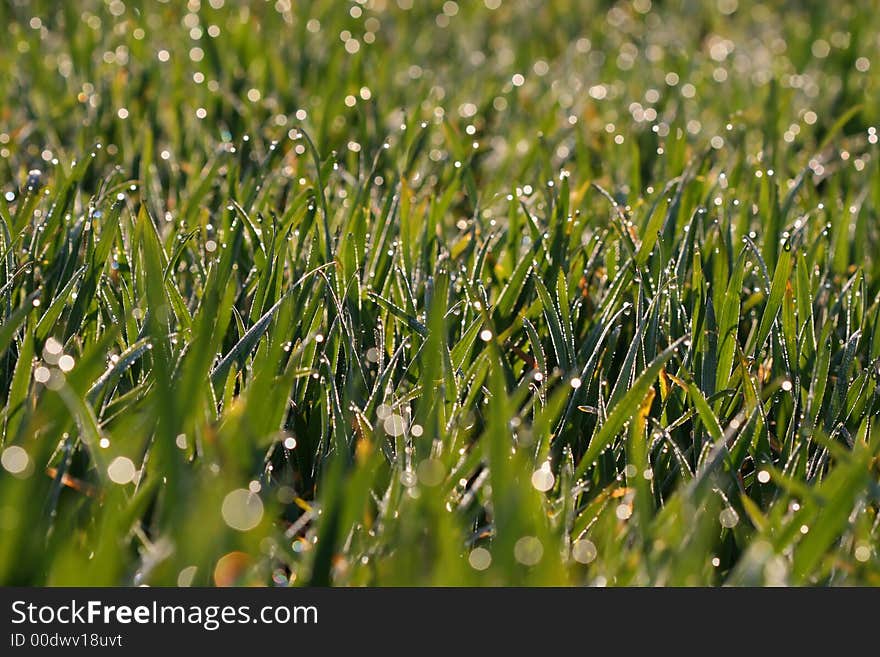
x,y
421,293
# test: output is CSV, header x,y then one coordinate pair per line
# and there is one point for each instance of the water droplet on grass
x,y
242,510
543,479
121,470
480,558
528,550
186,576
584,551
15,459
728,518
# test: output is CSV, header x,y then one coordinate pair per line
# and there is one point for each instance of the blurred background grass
x,y
284,334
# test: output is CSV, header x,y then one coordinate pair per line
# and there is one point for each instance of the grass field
x,y
395,292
